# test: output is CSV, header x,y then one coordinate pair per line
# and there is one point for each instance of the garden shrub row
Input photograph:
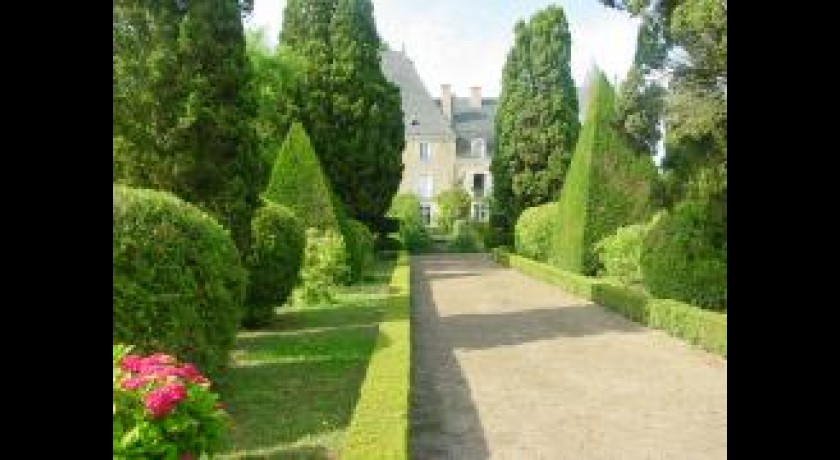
x,y
704,328
179,284
413,233
379,426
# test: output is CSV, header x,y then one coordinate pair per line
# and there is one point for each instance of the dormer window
x,y
479,149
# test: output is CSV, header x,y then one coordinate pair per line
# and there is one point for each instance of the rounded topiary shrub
x,y
684,256
620,254
360,244
274,261
179,284
533,232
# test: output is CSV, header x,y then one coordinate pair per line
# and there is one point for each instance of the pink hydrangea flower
x,y
159,403
133,383
131,363
160,359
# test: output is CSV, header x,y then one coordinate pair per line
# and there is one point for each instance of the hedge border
x,y
704,328
379,427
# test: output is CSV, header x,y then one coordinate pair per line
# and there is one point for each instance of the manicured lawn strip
x,y
292,387
379,429
704,328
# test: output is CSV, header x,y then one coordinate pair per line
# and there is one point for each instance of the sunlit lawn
x,y
293,386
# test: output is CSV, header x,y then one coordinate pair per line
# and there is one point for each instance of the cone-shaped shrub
x,y
298,182
274,261
179,285
608,186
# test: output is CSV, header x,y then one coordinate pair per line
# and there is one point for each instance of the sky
x,y
465,42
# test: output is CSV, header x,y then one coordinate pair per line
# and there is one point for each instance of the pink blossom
x,y
159,403
131,363
160,359
175,391
134,383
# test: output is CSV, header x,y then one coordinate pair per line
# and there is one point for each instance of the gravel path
x,y
508,367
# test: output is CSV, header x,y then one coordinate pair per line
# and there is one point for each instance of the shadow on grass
x,y
293,386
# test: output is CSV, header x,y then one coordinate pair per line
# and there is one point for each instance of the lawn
x,y
293,386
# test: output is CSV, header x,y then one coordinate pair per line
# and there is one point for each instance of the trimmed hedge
x,y
298,182
684,256
533,232
379,427
704,328
360,242
607,186
413,233
274,261
179,284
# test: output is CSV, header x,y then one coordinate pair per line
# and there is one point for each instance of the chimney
x,y
475,97
446,100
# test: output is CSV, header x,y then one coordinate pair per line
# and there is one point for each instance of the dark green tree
x,y
183,107
537,121
352,113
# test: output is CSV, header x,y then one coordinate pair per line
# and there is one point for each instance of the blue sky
x,y
465,42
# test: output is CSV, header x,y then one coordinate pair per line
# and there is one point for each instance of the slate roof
x,y
420,113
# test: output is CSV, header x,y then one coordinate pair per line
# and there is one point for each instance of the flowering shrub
x,y
163,408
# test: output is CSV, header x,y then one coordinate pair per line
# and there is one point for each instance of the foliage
x,y
533,231
178,285
163,408
620,254
466,237
361,250
379,428
537,121
453,204
298,182
413,233
325,266
684,255
608,186
277,76
274,261
182,106
695,325
639,111
350,110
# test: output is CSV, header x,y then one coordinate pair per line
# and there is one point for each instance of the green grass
x,y
293,386
379,429
704,328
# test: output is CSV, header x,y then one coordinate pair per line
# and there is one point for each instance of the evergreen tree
x,y
537,120
182,106
352,113
608,186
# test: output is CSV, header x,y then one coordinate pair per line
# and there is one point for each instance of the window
x,y
478,185
479,212
425,186
425,151
426,213
479,149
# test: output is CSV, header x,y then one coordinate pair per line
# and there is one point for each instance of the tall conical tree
x,y
182,106
608,185
537,120
298,182
352,113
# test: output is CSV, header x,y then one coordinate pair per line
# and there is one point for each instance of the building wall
x,y
441,167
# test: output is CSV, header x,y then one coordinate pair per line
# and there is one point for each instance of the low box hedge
x,y
704,328
379,427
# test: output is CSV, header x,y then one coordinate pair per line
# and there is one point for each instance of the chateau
x,y
448,141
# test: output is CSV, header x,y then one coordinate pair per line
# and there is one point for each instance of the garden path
x,y
508,367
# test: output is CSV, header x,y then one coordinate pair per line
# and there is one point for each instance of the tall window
x,y
479,149
480,212
425,151
426,213
425,186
